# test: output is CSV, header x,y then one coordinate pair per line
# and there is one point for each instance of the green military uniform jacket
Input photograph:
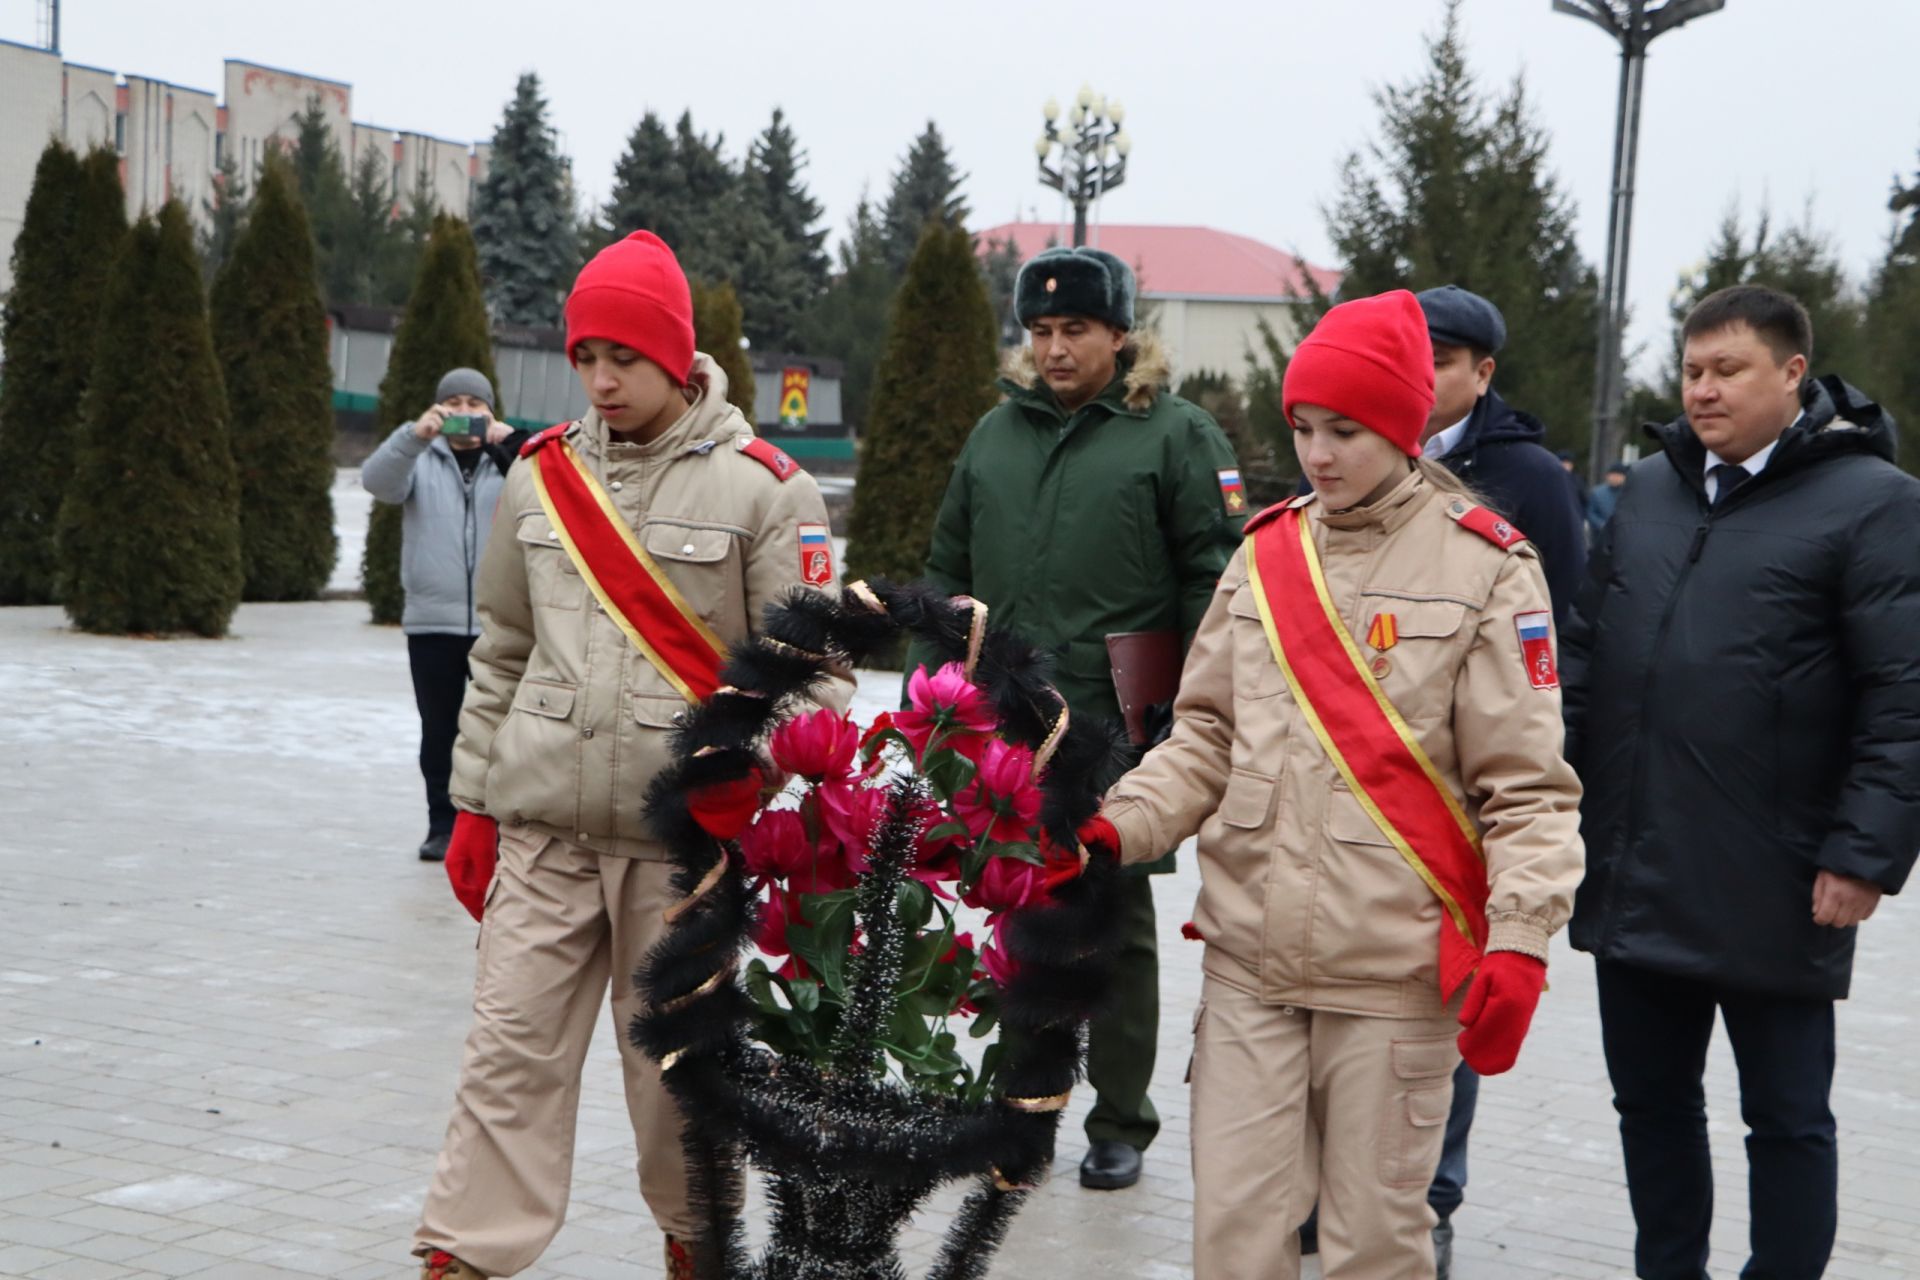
x,y
1117,517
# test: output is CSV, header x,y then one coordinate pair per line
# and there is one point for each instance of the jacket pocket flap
x,y
1416,618
1349,823
1427,1059
534,527
545,698
1241,604
657,712
681,542
1249,796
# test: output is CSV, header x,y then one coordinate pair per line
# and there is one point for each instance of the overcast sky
x,y
1240,112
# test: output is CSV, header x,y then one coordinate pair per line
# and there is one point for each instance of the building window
x,y
120,132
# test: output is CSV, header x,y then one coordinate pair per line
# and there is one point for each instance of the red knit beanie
x,y
634,293
1369,360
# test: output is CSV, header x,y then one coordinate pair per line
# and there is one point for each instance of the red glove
x,y
1498,1009
723,809
1099,836
471,853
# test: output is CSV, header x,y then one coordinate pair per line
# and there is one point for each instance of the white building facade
x,y
171,139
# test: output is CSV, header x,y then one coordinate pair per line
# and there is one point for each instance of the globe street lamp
x,y
1633,24
1082,172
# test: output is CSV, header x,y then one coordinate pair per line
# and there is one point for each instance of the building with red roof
x,y
1205,291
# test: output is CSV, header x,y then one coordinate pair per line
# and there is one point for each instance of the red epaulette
x,y
1496,529
540,438
1273,513
769,456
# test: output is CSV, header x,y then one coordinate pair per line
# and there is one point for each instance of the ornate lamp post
x,y
1081,171
1633,24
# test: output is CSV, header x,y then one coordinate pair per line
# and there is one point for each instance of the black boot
x,y
434,847
1443,1249
1109,1166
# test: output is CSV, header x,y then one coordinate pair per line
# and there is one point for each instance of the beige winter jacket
x,y
566,723
1302,900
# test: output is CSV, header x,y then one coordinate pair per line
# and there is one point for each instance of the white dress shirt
x,y
1441,443
1752,466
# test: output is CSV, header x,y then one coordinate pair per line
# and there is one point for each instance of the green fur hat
x,y
1075,282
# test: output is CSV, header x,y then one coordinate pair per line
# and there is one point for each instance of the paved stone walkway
x,y
231,1008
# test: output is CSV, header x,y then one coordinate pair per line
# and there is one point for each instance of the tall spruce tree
x,y
325,191
444,327
1000,264
1893,323
648,192
150,525
1457,190
782,267
934,382
225,212
716,331
270,330
849,322
74,221
523,217
925,188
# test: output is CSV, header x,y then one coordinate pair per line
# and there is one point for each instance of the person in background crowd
x,y
446,485
1743,707
1604,498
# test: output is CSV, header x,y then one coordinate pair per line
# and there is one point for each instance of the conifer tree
x,y
926,188
74,221
1892,330
1458,191
523,219
849,322
444,327
270,330
933,384
150,526
1001,267
780,266
716,331
648,193
225,213
773,168
325,191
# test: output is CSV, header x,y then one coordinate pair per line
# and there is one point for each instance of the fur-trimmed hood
x,y
1144,357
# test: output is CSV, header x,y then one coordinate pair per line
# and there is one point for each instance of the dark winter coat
x,y
1501,456
1743,703
1071,527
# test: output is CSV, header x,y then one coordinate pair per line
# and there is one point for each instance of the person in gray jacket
x,y
446,484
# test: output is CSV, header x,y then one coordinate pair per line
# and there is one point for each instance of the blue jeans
x,y
1450,1179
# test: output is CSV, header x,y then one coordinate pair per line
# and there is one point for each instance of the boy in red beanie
x,y
1367,741
632,547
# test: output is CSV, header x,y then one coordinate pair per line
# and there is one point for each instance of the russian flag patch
x,y
1232,491
816,555
1536,648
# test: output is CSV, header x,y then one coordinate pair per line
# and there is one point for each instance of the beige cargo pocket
x,y
552,580
550,698
695,559
1413,1124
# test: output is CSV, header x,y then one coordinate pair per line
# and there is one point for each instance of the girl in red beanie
x,y
1367,741
631,549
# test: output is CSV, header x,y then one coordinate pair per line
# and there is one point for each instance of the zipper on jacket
x,y
1637,796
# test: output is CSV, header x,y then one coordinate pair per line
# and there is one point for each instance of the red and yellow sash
x,y
1366,738
623,577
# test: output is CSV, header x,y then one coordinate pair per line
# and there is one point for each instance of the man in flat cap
x,y
1091,504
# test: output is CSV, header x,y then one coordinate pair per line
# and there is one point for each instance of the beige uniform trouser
x,y
559,920
1292,1103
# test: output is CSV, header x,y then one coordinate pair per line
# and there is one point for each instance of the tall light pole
x,y
1082,173
1633,24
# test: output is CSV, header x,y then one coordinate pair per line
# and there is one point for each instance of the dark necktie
x,y
1730,478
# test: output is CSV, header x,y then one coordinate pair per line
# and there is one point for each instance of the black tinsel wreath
x,y
848,1154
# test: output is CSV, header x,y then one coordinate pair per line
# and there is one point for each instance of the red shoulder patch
x,y
769,456
1496,529
539,438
